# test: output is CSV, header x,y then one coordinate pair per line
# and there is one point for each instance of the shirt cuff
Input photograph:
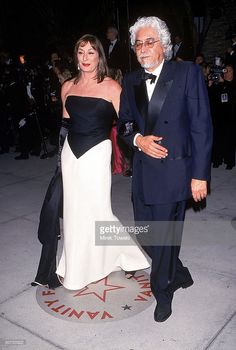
x,y
134,140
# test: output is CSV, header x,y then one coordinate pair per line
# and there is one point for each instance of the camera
x,y
216,71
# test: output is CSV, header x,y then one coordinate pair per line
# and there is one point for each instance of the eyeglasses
x,y
149,43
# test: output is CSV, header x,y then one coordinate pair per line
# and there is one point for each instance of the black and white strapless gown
x,y
86,173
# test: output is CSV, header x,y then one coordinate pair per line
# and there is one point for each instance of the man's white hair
x,y
161,29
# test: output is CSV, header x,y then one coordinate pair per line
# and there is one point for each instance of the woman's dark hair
x,y
102,70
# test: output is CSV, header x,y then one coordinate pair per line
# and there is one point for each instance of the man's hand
x,y
151,145
199,189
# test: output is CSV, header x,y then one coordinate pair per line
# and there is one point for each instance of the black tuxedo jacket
x,y
117,58
179,112
185,52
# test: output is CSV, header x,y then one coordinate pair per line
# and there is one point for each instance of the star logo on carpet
x,y
98,289
110,299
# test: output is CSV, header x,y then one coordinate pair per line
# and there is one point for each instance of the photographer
x,y
8,133
222,93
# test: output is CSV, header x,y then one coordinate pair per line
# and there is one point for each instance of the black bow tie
x,y
147,76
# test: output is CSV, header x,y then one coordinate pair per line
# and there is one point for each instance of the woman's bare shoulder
x,y
112,84
66,86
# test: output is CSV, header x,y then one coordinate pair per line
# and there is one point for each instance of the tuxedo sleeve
x,y
200,123
126,125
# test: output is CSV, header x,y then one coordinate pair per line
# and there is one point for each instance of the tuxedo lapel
x,y
141,97
114,49
159,95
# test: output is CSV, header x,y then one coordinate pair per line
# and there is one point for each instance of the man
x,y
115,51
166,118
181,51
115,54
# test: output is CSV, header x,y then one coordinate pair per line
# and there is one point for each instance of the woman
x,y
89,100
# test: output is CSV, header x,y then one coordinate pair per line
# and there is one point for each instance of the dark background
x,y
37,27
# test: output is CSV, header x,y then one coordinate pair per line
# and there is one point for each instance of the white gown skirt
x,y
87,199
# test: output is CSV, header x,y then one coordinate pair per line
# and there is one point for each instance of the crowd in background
x,y
220,77
31,111
30,106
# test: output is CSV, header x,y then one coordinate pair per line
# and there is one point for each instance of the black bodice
x,y
90,122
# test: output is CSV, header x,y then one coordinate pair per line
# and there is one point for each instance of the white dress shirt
x,y
150,89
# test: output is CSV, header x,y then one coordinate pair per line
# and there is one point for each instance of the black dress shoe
x,y
163,309
22,156
181,283
162,312
35,284
53,283
229,167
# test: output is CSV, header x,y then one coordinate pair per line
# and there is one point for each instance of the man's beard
x,y
150,65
